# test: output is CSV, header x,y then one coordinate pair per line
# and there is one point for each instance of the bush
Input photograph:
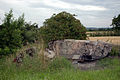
x,y
15,32
62,26
10,34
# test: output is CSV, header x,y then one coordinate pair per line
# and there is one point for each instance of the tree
x,y
116,24
10,34
62,26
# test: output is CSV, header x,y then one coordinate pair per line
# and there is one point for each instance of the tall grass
x,y
58,69
39,68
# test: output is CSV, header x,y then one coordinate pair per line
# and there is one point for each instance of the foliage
x,y
99,29
58,69
116,24
31,70
15,32
29,32
62,26
10,34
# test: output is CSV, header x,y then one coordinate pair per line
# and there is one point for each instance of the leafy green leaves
x,y
10,33
62,26
116,25
15,32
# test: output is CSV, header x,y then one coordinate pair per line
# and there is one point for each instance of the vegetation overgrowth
x,y
58,69
62,26
17,32
16,35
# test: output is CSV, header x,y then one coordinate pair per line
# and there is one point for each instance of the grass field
x,y
100,33
59,69
110,39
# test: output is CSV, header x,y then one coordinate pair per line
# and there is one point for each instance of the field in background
x,y
100,33
110,39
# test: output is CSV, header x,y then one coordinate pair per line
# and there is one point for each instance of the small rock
x,y
19,58
31,51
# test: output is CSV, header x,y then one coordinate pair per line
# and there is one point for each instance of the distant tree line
x,y
113,31
99,29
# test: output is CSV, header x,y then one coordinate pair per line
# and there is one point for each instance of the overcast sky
x,y
91,13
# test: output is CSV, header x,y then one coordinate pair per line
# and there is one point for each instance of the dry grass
x,y
110,39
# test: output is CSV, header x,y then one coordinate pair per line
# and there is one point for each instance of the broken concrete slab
x,y
76,57
87,50
49,54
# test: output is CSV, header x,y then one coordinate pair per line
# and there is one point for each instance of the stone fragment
x,y
31,51
49,54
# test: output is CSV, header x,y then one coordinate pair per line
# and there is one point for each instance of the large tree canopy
x,y
116,24
63,26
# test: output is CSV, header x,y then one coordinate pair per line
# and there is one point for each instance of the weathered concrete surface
x,y
81,50
50,54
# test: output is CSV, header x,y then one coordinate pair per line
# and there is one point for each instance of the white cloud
x,y
57,4
90,8
64,5
10,1
90,12
1,13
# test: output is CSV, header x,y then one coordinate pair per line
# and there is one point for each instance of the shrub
x,y
62,26
10,34
15,32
